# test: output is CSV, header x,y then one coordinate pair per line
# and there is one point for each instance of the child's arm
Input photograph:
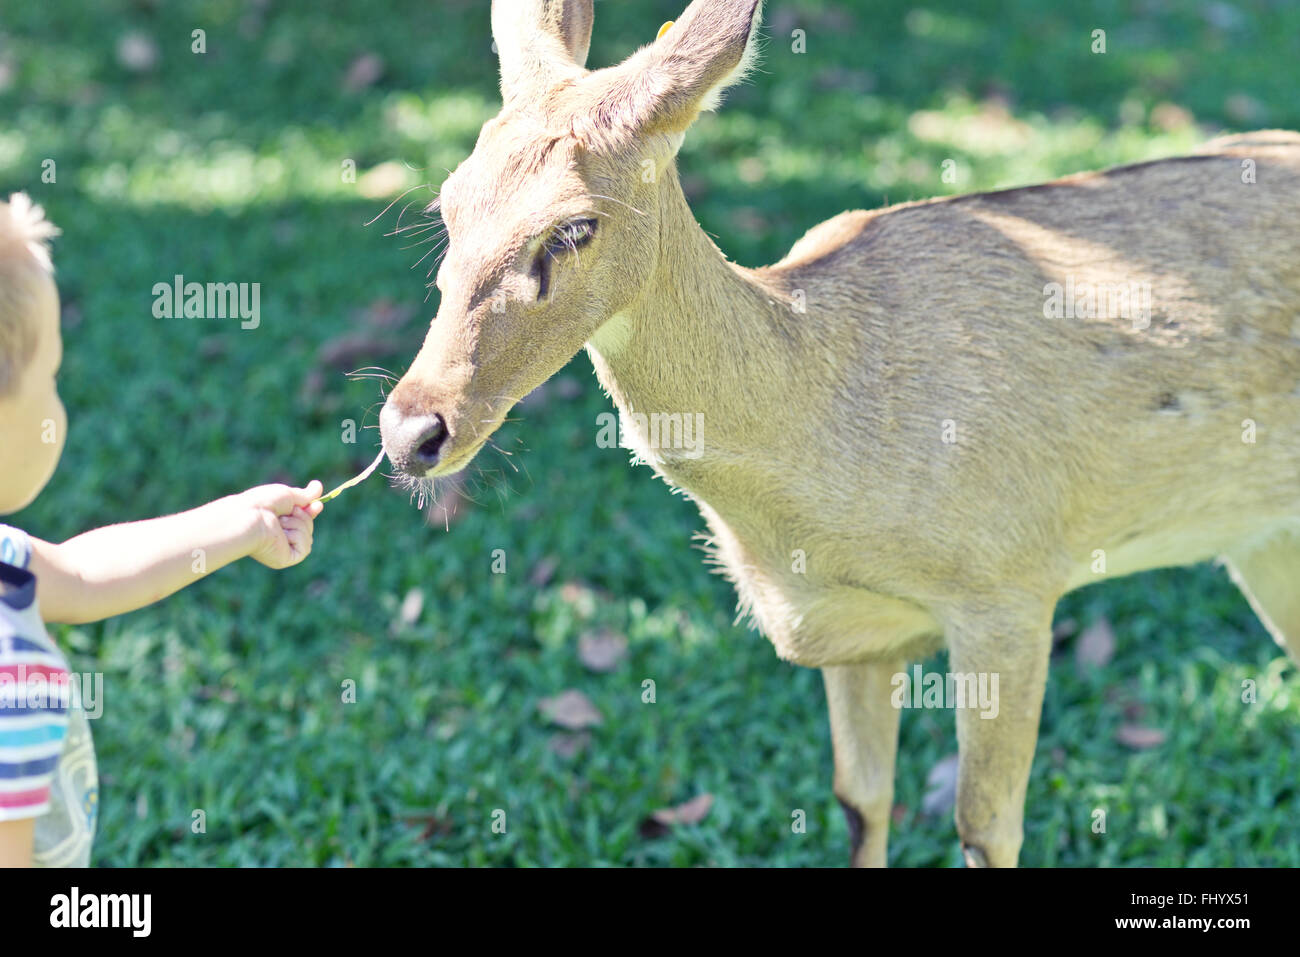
x,y
17,838
120,568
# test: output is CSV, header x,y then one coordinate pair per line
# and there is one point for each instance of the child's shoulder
x,y
20,623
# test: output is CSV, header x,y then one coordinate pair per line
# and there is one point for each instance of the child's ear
x,y
687,69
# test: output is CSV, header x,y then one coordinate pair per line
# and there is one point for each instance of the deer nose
x,y
413,442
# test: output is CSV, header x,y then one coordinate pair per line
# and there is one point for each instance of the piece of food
x,y
351,482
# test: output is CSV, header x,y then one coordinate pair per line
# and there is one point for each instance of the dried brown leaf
x,y
347,351
1139,738
363,72
602,651
941,787
450,503
542,572
690,812
567,387
567,744
384,313
571,710
1096,646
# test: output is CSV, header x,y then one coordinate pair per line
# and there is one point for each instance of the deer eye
x,y
566,237
571,235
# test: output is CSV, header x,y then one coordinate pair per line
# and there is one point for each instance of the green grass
x,y
227,698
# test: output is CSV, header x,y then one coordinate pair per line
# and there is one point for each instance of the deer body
x,y
902,444
1071,436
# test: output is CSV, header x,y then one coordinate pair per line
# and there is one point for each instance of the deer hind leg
x,y
1267,570
864,736
996,744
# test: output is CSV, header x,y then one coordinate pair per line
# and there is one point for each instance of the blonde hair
x,y
25,236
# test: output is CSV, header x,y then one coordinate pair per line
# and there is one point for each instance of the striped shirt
x,y
47,761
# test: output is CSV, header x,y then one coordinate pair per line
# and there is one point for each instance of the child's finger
x,y
309,513
295,521
305,496
299,539
278,498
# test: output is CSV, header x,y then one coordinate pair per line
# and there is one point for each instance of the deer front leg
x,y
864,737
996,743
1267,571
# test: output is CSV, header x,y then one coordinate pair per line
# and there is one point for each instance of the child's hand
x,y
280,518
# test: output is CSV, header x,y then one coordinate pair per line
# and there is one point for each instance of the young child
x,y
48,781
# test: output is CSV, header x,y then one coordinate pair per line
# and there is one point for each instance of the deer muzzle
x,y
414,443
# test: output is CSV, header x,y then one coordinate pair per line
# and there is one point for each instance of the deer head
x,y
554,221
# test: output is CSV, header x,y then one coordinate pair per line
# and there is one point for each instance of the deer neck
x,y
705,338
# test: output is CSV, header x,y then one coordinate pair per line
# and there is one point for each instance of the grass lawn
x,y
229,166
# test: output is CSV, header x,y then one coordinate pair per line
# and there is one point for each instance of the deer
x,y
921,427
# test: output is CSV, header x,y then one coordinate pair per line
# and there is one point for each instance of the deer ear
x,y
540,42
687,69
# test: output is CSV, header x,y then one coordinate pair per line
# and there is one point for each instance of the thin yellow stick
x,y
351,482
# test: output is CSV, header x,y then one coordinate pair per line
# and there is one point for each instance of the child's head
x,y
32,420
